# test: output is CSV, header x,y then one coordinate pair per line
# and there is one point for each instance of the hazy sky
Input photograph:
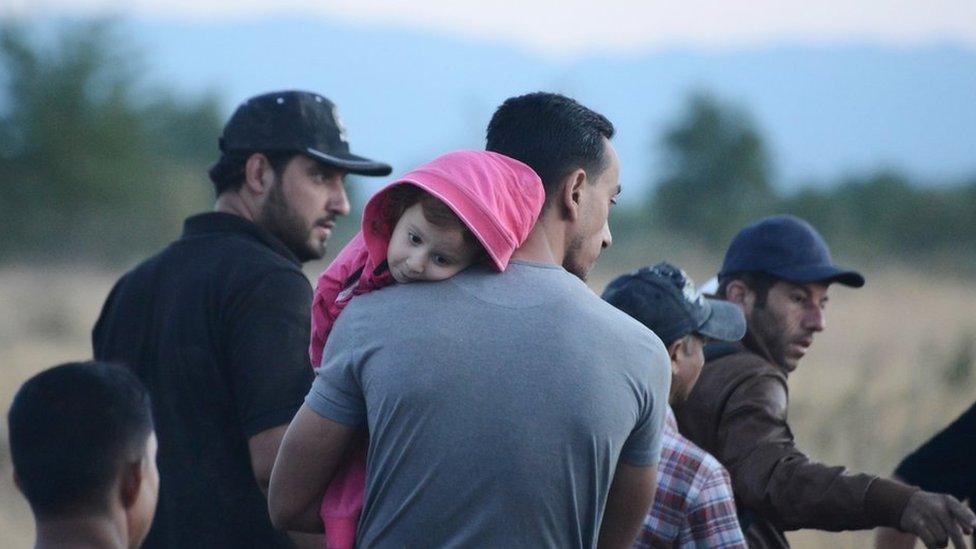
x,y
580,27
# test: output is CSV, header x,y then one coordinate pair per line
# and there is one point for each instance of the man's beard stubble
x,y
571,259
278,219
766,328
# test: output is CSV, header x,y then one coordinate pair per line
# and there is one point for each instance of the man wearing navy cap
x,y
693,504
217,324
778,270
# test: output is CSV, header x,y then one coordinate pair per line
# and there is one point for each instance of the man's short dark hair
x,y
71,429
552,134
757,281
227,174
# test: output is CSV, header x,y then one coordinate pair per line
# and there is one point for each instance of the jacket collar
x,y
749,344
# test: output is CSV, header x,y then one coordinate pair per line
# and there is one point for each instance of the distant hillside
x,y
406,96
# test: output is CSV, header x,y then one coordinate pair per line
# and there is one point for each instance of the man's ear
x,y
259,176
572,191
677,347
737,292
130,484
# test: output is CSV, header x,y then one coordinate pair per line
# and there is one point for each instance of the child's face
x,y
421,251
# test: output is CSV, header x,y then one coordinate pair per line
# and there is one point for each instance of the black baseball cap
x,y
786,247
664,299
298,121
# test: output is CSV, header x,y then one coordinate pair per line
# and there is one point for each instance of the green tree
x,y
716,173
95,162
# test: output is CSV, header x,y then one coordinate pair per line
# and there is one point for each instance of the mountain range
x,y
824,111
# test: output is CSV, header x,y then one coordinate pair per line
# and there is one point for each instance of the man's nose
x,y
339,202
607,237
816,319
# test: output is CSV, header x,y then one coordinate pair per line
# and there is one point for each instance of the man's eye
x,y
414,239
613,201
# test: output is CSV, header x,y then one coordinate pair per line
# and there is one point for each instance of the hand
x,y
937,518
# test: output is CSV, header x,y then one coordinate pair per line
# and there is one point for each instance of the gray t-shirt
x,y
498,406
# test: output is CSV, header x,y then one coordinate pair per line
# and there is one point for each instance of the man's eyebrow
x,y
797,287
806,291
619,190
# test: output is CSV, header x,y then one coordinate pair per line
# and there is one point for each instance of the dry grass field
x,y
895,364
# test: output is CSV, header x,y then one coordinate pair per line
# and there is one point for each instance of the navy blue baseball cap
x,y
786,247
295,121
664,299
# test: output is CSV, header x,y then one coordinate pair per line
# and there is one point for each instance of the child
x,y
429,225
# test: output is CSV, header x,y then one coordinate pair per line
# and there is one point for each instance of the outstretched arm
x,y
307,460
773,477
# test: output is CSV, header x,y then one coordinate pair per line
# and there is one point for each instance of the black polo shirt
x,y
217,327
947,462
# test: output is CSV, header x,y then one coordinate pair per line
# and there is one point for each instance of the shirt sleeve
x,y
772,477
712,520
947,462
265,340
643,447
337,392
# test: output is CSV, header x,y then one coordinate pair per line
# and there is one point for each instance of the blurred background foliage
x,y
719,179
98,164
95,162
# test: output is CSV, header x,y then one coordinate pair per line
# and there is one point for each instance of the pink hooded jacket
x,y
498,198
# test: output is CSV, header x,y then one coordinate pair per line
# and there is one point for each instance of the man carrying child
x,y
504,409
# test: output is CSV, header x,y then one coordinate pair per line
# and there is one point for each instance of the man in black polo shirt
x,y
217,324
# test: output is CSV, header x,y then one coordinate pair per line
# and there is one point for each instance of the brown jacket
x,y
737,412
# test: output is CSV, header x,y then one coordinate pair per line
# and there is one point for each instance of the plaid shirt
x,y
693,505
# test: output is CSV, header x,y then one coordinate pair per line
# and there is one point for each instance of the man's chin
x,y
577,270
574,259
790,363
310,252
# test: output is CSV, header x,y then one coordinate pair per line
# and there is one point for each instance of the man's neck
x,y
233,203
546,243
97,532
